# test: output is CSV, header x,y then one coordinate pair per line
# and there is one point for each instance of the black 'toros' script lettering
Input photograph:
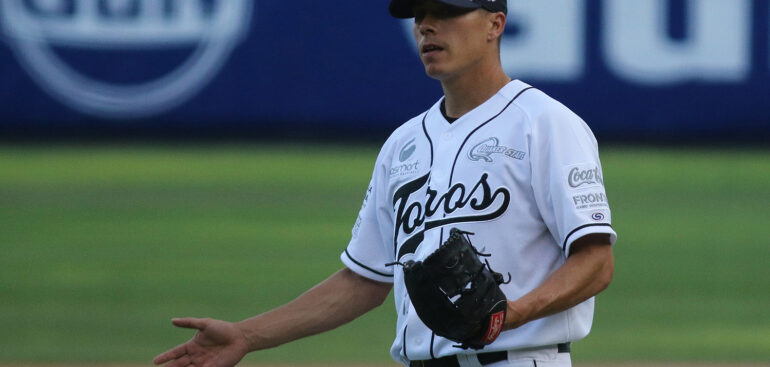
x,y
410,215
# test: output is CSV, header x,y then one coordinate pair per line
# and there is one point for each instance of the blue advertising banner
x,y
633,69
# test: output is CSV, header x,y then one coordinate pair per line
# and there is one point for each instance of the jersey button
x,y
447,136
417,341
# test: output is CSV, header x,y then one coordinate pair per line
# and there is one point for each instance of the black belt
x,y
484,358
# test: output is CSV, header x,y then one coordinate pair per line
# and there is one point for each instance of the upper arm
x,y
365,288
592,242
369,249
567,180
595,251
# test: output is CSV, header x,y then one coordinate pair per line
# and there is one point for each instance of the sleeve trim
x,y
366,267
566,239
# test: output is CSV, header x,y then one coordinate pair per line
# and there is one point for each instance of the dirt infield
x,y
624,364
660,364
664,364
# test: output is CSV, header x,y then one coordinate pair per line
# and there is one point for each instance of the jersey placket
x,y
447,140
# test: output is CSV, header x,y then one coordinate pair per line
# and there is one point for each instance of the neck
x,y
473,87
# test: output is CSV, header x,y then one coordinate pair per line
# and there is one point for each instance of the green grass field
x,y
101,246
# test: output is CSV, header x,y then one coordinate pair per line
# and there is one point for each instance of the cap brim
x,y
402,9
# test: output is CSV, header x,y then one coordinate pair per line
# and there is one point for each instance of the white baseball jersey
x,y
521,171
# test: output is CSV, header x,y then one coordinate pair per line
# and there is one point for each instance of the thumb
x,y
190,323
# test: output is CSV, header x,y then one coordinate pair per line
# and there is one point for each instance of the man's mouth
x,y
430,48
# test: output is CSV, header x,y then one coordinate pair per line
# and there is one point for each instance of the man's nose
x,y
426,25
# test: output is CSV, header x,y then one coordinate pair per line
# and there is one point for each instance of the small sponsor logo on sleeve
x,y
597,216
590,200
366,197
584,175
357,227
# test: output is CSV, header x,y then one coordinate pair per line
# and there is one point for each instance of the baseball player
x,y
493,157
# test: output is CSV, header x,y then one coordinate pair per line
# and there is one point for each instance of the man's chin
x,y
436,73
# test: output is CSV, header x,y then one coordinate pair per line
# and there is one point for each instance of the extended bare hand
x,y
216,344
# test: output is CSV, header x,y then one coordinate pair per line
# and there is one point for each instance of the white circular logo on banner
x,y
36,29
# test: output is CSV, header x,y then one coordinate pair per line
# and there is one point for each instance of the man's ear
x,y
496,26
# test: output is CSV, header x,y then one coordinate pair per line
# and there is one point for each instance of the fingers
x,y
181,362
190,323
174,353
178,355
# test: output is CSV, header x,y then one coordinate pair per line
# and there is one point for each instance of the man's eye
x,y
449,12
444,12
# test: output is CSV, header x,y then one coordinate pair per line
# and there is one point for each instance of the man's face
x,y
450,40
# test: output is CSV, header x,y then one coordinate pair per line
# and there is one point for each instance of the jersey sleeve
x,y
567,176
370,248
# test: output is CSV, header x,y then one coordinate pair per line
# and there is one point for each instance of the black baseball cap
x,y
403,8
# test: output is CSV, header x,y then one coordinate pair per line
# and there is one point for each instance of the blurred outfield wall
x,y
634,69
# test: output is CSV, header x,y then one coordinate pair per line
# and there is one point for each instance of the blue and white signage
x,y
650,69
36,29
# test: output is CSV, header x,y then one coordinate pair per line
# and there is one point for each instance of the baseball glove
x,y
456,295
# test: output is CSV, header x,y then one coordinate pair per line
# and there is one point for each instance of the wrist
x,y
251,338
514,316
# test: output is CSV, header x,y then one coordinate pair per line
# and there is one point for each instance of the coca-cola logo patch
x,y
584,175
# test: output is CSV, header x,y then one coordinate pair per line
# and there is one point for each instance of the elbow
x,y
372,292
605,280
380,300
381,293
605,275
375,296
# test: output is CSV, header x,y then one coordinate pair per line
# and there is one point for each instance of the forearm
x,y
586,272
339,299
